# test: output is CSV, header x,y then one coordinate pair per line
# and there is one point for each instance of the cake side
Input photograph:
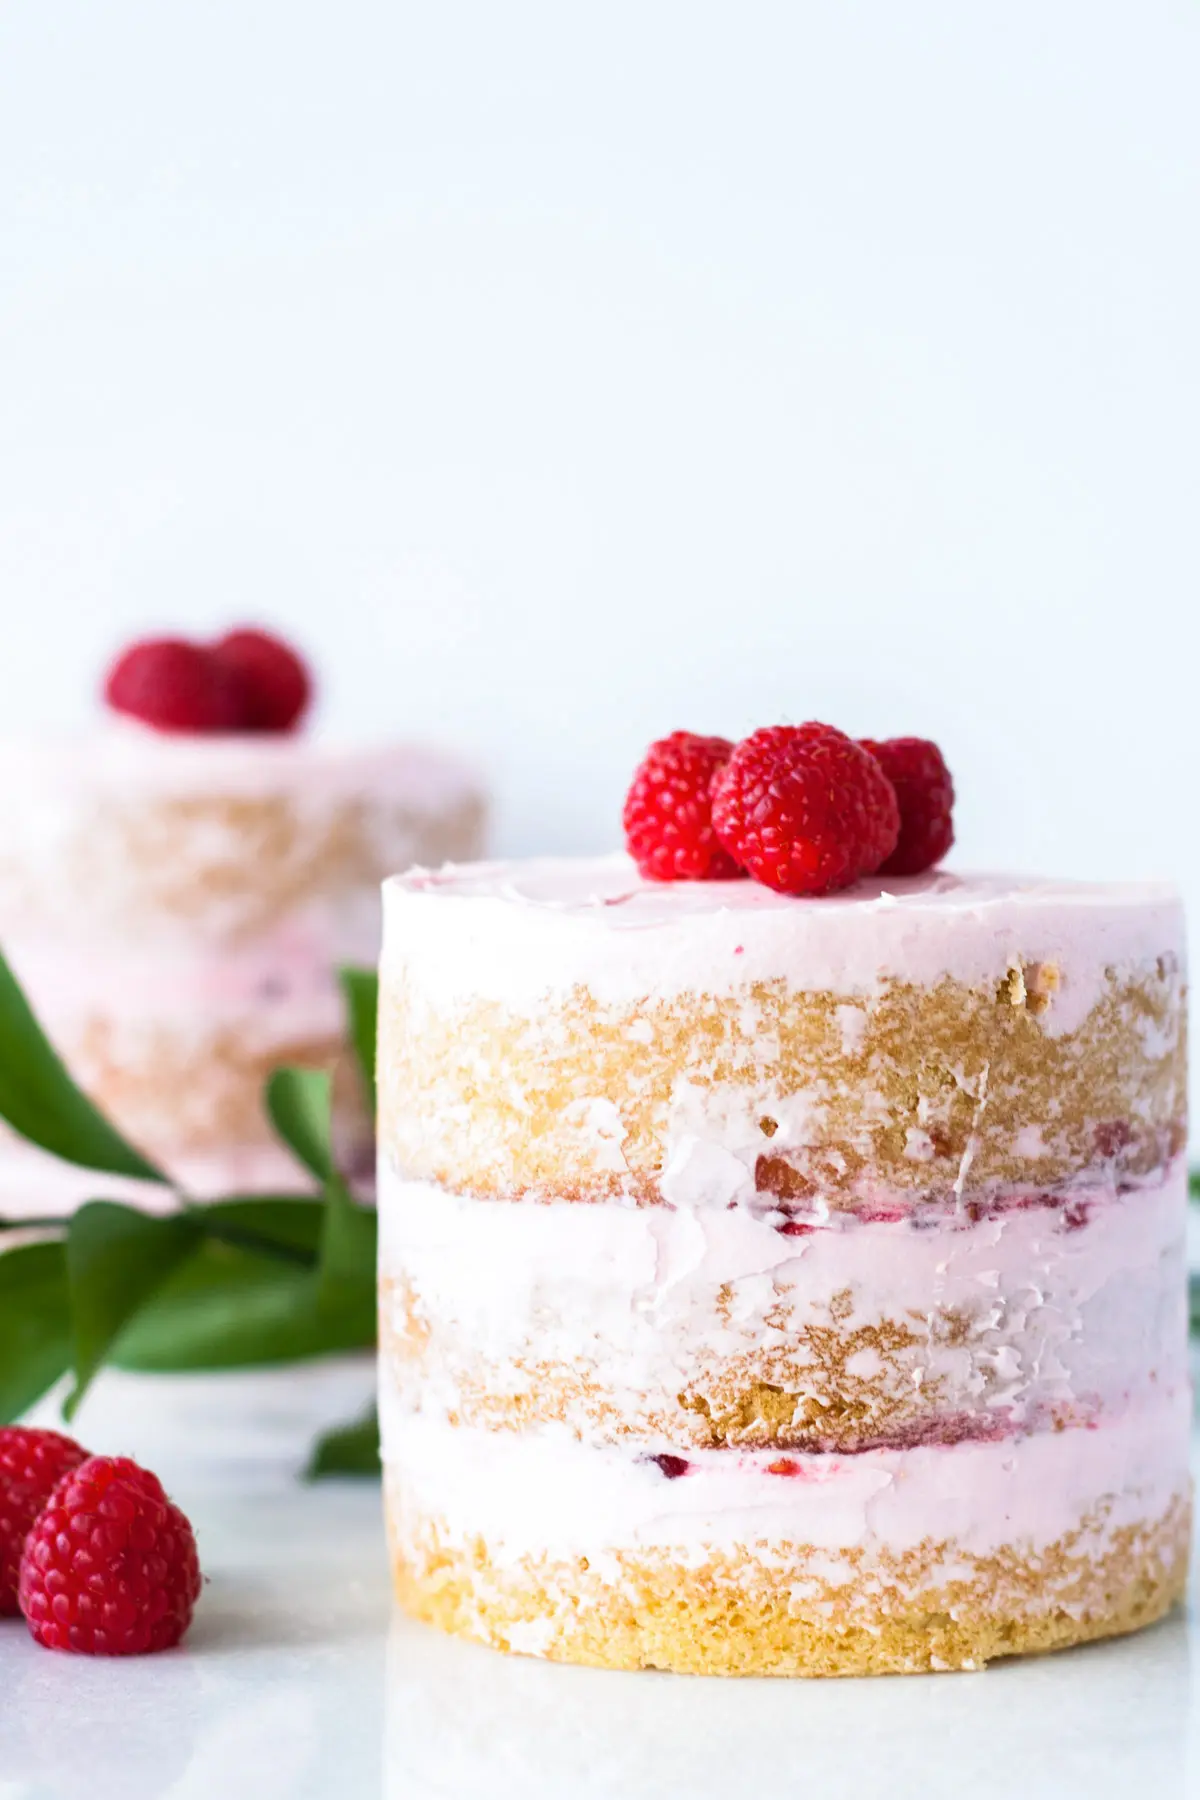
x,y
1030,1053
176,908
138,836
866,1350
666,1329
894,1561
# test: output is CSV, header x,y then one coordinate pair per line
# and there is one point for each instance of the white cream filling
x,y
530,1494
1008,1316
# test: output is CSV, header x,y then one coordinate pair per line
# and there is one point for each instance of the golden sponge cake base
x,y
767,1613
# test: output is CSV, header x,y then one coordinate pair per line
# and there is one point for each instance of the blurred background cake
x,y
178,890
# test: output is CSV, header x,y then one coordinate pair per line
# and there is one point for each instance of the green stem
x,y
238,1239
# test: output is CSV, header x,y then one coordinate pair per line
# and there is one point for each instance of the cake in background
x,y
178,889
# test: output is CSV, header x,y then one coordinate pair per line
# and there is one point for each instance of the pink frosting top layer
x,y
130,758
519,931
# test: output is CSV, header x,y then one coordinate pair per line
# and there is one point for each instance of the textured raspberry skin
x,y
803,809
668,810
917,770
884,817
276,685
175,686
110,1568
32,1463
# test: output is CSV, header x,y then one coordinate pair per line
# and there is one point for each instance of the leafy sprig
x,y
239,1282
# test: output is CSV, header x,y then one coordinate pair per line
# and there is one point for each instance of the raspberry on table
x,y
804,810
175,686
110,1567
668,810
917,770
276,685
32,1463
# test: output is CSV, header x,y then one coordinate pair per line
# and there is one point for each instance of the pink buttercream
x,y
533,1493
519,932
1020,1317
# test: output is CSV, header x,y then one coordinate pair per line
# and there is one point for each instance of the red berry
x,y
885,820
175,686
110,1567
672,1466
32,1463
803,809
275,682
918,772
668,810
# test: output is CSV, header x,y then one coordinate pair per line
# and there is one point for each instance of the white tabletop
x,y
297,1683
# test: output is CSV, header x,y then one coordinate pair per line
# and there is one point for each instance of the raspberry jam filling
x,y
809,1459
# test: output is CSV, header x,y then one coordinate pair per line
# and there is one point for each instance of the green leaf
x,y
35,1325
1194,1303
116,1258
338,1309
249,1296
346,1277
360,988
1194,1184
286,1226
298,1104
349,1450
231,1308
42,1103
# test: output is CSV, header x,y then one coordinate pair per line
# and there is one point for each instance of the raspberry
x,y
668,810
175,686
884,812
672,1466
276,685
803,809
917,771
110,1567
31,1465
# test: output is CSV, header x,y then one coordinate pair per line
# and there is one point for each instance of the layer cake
x,y
176,907
782,1286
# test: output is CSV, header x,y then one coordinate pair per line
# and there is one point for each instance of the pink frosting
x,y
527,1493
66,809
517,932
1063,1311
136,761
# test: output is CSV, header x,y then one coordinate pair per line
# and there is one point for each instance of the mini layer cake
x,y
778,1286
175,907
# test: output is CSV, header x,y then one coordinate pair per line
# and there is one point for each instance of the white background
x,y
563,373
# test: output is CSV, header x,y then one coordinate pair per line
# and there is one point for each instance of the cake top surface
x,y
518,929
125,757
609,891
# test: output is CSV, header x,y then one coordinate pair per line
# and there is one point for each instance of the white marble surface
x,y
297,1684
